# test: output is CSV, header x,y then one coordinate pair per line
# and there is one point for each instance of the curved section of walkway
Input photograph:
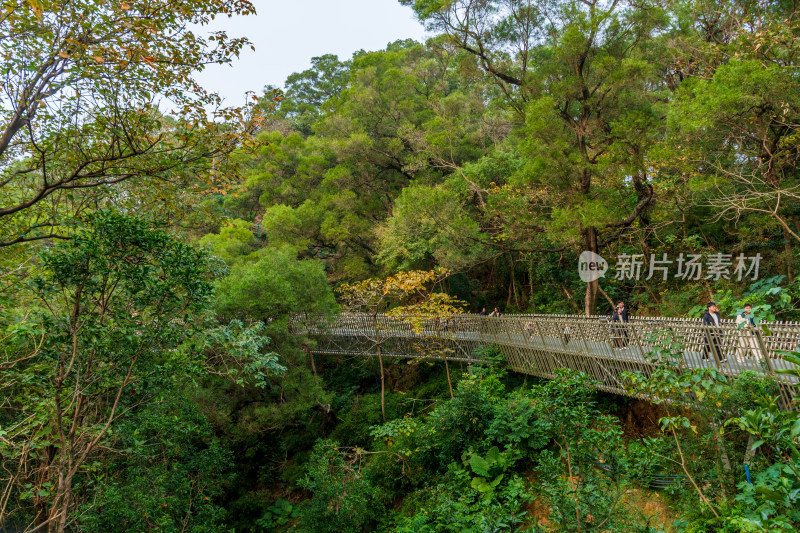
x,y
540,344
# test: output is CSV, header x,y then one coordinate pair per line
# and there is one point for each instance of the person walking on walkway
x,y
748,343
566,334
618,320
714,333
496,312
483,312
746,317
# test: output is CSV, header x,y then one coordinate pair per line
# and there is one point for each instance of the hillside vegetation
x,y
153,245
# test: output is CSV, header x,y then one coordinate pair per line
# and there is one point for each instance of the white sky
x,y
287,34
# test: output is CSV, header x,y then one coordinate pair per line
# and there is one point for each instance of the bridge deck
x,y
540,344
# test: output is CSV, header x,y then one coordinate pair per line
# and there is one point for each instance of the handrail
x,y
540,344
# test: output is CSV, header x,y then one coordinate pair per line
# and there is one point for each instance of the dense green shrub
x,y
343,500
170,478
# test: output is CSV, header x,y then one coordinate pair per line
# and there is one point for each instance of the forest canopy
x,y
154,245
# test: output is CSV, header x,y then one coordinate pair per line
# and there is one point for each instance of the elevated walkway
x,y
540,344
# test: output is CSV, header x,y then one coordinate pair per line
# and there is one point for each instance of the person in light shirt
x,y
748,342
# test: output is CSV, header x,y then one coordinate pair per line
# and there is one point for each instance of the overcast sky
x,y
287,34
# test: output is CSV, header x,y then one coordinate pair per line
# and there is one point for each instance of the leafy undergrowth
x,y
514,454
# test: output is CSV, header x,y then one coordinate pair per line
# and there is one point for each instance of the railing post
x,y
764,352
712,348
783,385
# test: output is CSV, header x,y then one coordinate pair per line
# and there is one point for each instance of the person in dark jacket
x,y
712,319
618,318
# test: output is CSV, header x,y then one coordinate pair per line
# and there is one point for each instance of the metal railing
x,y
540,344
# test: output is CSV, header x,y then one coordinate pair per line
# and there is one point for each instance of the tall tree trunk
x,y
443,344
510,271
590,301
447,369
383,386
378,342
61,524
310,358
532,302
514,287
59,507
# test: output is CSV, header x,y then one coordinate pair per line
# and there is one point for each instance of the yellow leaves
x,y
150,60
414,288
124,6
37,8
223,190
63,55
412,281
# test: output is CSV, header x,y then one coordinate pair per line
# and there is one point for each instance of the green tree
x,y
114,303
580,76
83,81
391,125
308,91
272,283
344,499
582,497
170,477
432,226
735,115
